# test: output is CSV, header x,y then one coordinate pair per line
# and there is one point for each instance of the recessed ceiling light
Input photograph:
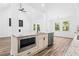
x,y
43,5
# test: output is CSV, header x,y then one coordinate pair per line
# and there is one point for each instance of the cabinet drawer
x,y
28,52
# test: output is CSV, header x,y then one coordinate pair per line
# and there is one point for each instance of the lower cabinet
x,y
42,41
45,40
29,52
50,39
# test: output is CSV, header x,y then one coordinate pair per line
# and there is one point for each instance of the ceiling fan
x,y
21,8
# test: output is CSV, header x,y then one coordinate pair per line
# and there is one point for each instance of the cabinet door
x,y
45,40
50,39
40,42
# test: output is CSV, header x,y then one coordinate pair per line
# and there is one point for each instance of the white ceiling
x,y
38,6
51,6
4,6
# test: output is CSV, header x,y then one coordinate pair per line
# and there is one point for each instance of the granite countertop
x,y
73,50
29,34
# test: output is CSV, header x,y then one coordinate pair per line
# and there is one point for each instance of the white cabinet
x,y
45,40
29,52
42,41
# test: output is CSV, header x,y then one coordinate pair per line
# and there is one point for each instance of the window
x,y
20,23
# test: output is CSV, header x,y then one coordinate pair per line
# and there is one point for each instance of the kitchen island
x,y
41,42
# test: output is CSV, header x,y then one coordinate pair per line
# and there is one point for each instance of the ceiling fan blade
x,y
24,11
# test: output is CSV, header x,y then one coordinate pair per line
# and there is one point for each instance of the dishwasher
x,y
50,39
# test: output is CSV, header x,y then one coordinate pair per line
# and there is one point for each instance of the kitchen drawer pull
x,y
44,38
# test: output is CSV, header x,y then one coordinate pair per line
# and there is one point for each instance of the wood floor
x,y
4,46
58,49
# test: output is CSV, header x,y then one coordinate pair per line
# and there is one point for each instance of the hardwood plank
x,y
58,49
5,46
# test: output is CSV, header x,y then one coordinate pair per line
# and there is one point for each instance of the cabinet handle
x,y
44,38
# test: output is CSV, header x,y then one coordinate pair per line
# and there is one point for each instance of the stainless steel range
x,y
26,42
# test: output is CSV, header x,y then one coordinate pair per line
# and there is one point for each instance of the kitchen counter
x,y
30,34
41,42
73,50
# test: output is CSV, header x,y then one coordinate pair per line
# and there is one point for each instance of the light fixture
x,y
43,5
21,8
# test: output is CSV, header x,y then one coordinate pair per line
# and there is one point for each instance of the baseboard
x,y
63,37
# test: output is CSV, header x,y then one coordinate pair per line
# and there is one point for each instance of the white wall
x,y
11,11
77,14
16,16
5,14
27,17
60,13
53,13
